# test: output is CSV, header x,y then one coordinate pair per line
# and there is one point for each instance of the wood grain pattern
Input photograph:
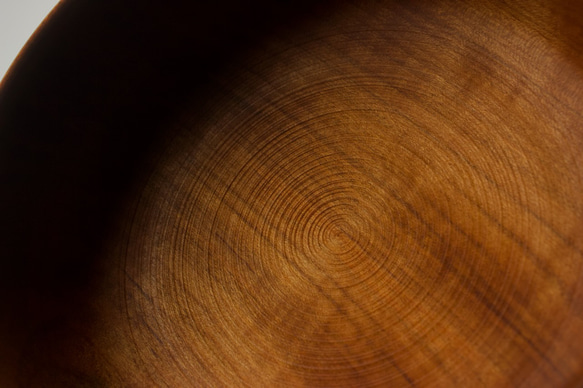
x,y
377,193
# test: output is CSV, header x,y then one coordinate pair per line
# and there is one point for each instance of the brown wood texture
x,y
375,193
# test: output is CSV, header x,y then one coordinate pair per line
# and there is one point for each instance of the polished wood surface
x,y
377,193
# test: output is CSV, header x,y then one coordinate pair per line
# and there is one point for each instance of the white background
x,y
18,20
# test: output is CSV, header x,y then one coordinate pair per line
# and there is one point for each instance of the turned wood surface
x,y
375,193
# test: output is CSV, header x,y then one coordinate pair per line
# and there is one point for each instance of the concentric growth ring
x,y
360,220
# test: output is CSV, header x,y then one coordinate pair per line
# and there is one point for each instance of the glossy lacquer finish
x,y
371,193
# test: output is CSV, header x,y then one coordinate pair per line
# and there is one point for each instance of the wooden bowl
x,y
375,193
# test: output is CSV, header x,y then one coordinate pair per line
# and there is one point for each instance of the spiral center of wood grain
x,y
332,237
339,239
